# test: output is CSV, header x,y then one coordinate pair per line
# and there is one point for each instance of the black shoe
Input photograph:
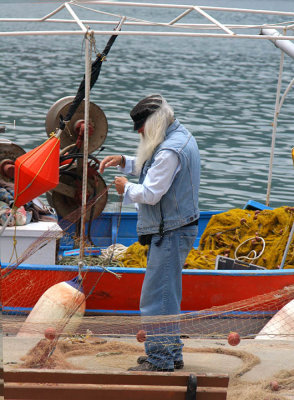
x,y
147,366
177,364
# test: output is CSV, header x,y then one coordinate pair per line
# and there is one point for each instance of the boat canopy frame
x,y
174,27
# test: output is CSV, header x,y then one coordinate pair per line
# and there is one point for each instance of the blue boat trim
x,y
255,205
75,268
16,310
192,314
112,312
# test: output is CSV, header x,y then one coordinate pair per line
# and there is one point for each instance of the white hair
x,y
154,133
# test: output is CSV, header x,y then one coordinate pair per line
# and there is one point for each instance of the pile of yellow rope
x,y
226,231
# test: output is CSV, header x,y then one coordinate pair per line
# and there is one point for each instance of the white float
x,y
281,326
61,307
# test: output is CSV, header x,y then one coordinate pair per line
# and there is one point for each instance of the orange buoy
x,y
234,338
36,172
50,333
141,336
61,308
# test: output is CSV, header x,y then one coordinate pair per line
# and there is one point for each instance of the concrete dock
x,y
252,365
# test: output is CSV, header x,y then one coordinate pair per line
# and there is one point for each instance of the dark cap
x,y
144,108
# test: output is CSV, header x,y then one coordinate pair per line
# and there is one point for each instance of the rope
x,y
114,251
94,74
14,246
253,252
88,68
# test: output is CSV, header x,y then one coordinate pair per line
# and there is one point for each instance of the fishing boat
x,y
202,289
23,285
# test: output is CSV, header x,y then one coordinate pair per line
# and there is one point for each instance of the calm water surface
x,y
222,90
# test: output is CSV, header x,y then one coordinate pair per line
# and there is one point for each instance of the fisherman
x,y
168,166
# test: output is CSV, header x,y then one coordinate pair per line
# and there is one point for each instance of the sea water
x,y
222,90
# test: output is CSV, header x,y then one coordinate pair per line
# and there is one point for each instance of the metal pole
x,y
138,22
223,27
88,67
185,6
287,247
147,33
76,18
52,13
269,182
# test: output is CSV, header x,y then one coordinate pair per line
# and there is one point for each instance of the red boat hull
x,y
107,294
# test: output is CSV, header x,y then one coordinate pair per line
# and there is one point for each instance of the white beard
x,y
146,148
154,133
144,152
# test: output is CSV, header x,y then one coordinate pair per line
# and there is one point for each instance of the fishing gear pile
x,y
237,229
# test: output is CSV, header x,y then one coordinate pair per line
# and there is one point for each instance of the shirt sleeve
x,y
129,168
157,181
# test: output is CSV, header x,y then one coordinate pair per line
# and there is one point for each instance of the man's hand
x,y
120,182
110,161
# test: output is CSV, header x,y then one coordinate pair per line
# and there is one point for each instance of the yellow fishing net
x,y
226,232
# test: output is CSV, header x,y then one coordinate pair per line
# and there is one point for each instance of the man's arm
x,y
110,161
157,181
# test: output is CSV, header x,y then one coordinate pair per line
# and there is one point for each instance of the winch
x,y
66,197
9,152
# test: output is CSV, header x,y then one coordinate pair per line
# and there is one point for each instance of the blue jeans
x,y
162,293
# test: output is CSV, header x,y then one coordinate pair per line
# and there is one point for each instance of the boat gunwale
x,y
126,270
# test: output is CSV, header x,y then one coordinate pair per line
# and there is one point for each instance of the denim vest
x,y
179,206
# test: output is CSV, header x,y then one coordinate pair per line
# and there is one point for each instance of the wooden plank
x,y
72,385
1,381
157,378
106,392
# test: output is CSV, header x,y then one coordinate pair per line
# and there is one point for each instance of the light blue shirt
x,y
157,181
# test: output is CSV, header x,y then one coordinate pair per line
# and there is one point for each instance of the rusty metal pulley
x,y
98,125
9,152
66,198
